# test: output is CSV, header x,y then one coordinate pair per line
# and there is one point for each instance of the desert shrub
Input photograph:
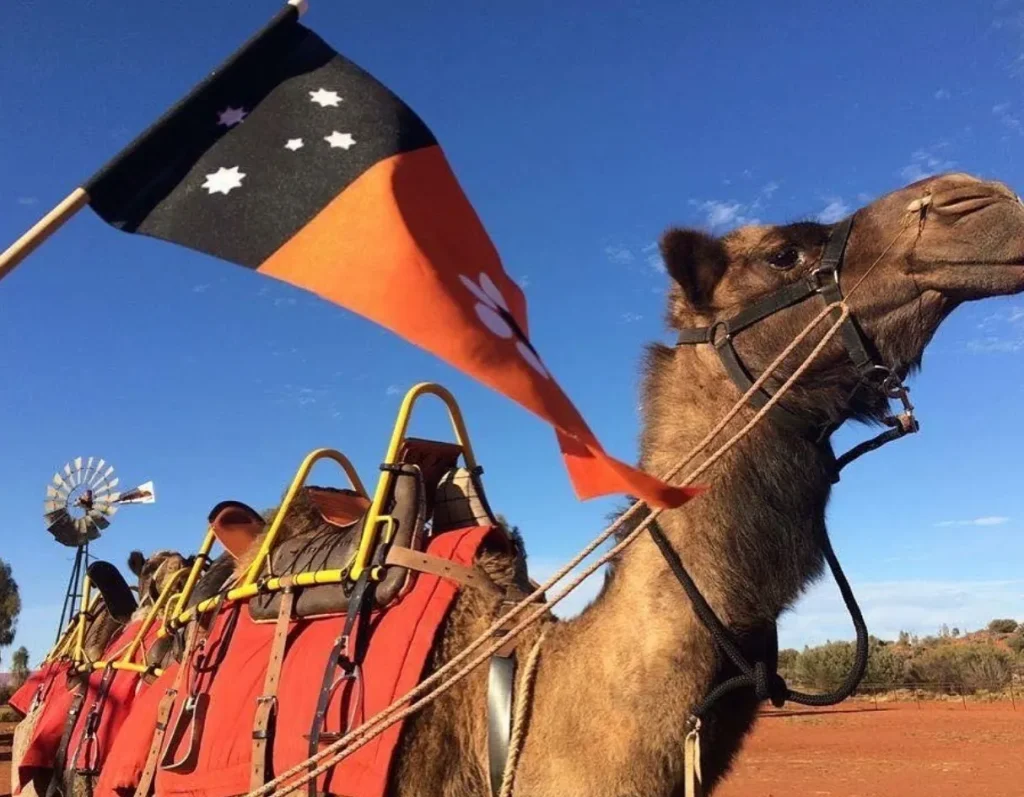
x,y
885,665
1016,642
787,663
825,666
1002,626
974,666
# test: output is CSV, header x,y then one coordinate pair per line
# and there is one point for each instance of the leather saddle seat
x,y
429,494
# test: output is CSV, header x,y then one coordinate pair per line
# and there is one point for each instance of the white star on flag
x,y
294,144
325,98
230,117
343,140
223,180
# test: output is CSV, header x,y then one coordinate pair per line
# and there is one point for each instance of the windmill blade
x,y
87,470
60,484
106,509
97,475
101,475
97,519
57,517
76,476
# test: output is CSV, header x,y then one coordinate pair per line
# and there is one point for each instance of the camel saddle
x,y
426,483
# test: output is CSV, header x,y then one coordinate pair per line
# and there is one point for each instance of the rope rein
x,y
387,717
515,744
444,679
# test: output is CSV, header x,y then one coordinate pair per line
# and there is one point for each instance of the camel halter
x,y
823,282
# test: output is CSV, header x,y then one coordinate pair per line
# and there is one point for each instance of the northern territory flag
x,y
291,160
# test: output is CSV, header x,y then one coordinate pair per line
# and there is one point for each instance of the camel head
x,y
154,572
911,257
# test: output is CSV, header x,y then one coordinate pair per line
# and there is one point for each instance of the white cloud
x,y
284,301
630,318
988,520
201,288
919,607
942,94
721,215
28,200
619,254
393,390
834,210
652,256
1000,332
925,163
1007,118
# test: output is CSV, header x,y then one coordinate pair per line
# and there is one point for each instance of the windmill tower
x,y
81,501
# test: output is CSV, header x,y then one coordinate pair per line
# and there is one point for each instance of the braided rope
x,y
515,744
394,713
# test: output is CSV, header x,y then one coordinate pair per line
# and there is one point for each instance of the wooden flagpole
x,y
68,207
41,230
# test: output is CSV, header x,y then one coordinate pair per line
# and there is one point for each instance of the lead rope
x,y
394,713
515,744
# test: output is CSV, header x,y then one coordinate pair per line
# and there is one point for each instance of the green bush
x,y
974,666
1002,626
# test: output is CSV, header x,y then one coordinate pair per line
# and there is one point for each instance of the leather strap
x,y
60,758
438,566
163,714
343,655
89,743
500,686
266,703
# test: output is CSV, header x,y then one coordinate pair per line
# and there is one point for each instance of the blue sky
x,y
579,131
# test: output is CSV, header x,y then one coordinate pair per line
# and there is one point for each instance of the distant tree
x,y
1002,626
19,666
10,604
944,631
956,632
904,638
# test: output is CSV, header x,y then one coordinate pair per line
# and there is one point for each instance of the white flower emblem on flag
x,y
492,309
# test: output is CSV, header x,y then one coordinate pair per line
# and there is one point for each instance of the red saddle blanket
x,y
48,678
401,640
124,687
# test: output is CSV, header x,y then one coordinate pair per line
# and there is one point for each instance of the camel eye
x,y
785,259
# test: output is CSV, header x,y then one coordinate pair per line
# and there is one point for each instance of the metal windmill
x,y
81,500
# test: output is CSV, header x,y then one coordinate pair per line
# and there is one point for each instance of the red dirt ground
x,y
936,748
6,729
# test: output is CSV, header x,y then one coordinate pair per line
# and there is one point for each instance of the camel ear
x,y
696,261
135,562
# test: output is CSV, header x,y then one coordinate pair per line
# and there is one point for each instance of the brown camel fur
x,y
614,687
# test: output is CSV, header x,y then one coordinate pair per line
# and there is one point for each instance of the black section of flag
x,y
313,123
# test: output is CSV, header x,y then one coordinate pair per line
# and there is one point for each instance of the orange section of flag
x,y
403,247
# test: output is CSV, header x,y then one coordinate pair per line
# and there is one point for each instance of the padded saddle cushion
x,y
117,595
334,543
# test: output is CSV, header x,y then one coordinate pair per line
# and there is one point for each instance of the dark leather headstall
x,y
823,282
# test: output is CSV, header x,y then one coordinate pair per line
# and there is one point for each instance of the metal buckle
x,y
719,341
815,277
